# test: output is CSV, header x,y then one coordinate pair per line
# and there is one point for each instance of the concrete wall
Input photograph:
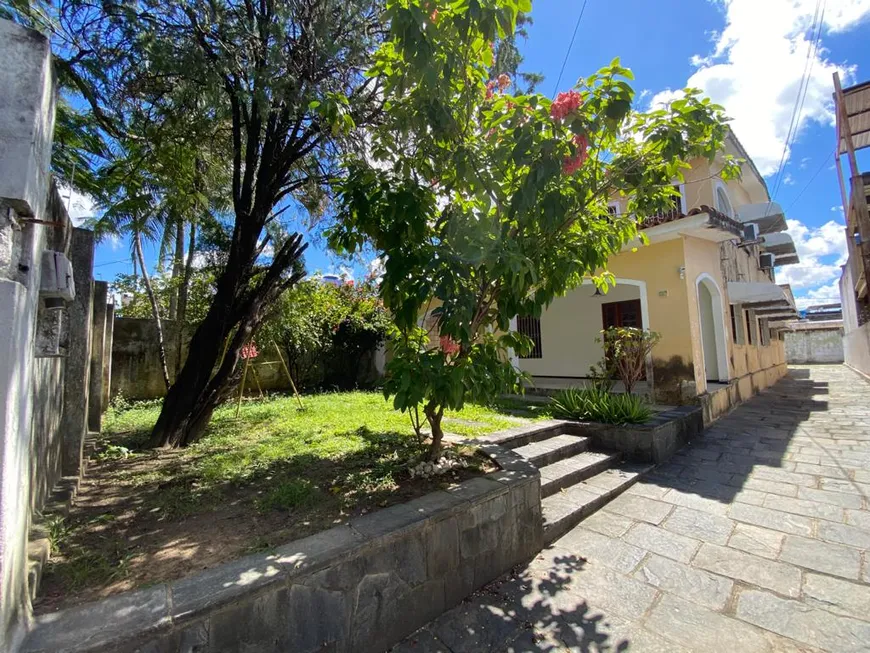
x,y
856,349
814,346
35,342
355,588
135,361
37,359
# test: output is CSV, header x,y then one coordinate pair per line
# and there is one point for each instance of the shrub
x,y
597,405
628,348
328,334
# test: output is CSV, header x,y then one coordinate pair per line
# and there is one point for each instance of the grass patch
x,y
274,474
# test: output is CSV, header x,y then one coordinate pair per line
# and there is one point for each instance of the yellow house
x,y
705,282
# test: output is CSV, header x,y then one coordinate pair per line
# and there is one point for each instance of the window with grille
x,y
763,332
736,326
749,320
531,328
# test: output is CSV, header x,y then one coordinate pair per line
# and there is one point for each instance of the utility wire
x,y
123,260
812,179
816,27
570,45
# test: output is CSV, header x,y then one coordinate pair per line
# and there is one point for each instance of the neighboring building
x,y
814,341
823,313
705,282
852,109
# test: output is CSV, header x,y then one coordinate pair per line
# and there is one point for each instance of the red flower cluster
x,y
249,351
565,104
490,87
504,81
449,346
573,163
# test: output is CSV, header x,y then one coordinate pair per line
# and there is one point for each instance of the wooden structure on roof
x,y
852,106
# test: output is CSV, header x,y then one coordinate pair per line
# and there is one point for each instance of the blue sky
x,y
750,56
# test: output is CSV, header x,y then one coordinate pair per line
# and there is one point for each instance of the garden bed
x,y
273,475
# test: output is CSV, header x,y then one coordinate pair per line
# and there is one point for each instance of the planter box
x,y
655,442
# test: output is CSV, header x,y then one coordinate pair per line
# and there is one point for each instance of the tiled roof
x,y
718,218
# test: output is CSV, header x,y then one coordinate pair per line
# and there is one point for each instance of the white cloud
x,y
757,63
376,268
827,294
788,180
822,250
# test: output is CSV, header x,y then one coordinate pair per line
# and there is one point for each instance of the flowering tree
x,y
487,205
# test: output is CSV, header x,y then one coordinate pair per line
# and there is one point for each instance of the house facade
x,y
852,109
705,282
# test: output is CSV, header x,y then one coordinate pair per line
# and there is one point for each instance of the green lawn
x,y
271,475
358,431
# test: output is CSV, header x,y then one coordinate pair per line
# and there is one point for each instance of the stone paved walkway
x,y
755,538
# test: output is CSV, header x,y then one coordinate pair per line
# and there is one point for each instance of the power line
x,y
123,260
812,179
570,45
800,98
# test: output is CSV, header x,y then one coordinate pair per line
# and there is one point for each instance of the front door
x,y
622,314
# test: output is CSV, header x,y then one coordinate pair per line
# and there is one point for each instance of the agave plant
x,y
596,404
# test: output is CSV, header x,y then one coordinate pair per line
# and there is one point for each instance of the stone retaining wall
x,y
354,588
718,403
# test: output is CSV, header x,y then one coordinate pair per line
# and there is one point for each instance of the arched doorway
x,y
712,327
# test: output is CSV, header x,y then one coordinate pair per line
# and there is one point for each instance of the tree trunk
x,y
237,310
177,268
434,418
183,290
155,308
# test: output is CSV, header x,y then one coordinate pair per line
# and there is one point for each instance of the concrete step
x,y
570,471
571,505
546,452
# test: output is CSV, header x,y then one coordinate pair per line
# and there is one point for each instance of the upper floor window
x,y
723,203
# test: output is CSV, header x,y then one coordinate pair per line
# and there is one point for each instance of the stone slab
x,y
699,629
640,508
829,558
688,583
768,518
613,553
803,623
757,541
663,542
839,596
104,623
751,569
608,523
699,525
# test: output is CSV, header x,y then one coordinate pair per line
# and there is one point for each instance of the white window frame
x,y
684,207
719,186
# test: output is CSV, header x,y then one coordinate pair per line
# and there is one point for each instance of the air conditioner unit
x,y
766,261
57,276
750,231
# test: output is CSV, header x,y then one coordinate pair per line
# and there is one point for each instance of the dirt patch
x,y
124,532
